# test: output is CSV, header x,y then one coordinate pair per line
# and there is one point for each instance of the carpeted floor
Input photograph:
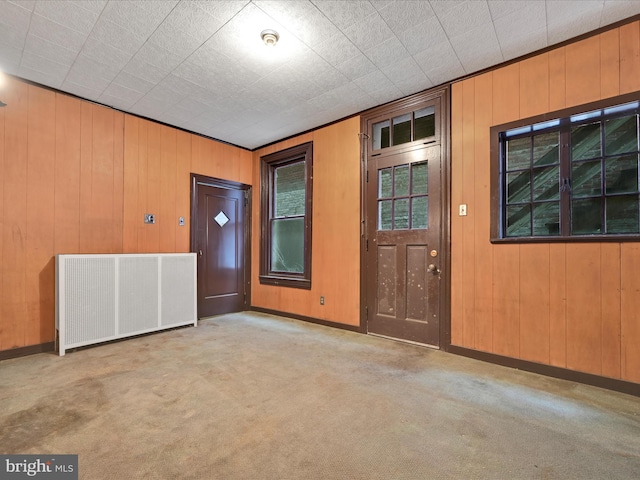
x,y
252,396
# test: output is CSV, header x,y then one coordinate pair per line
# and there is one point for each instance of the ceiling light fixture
x,y
270,37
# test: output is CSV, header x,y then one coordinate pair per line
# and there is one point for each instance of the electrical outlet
x,y
181,221
321,300
149,218
462,210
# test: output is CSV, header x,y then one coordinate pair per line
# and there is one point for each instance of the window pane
x,y
420,212
518,187
546,218
518,221
622,214
419,178
380,133
385,219
518,153
401,180
621,174
401,214
289,190
287,245
621,135
585,141
546,183
424,123
402,129
586,178
586,216
545,149
385,183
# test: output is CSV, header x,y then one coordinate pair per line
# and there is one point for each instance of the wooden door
x,y
219,226
403,251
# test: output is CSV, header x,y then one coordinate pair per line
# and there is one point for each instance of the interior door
x,y
220,237
403,245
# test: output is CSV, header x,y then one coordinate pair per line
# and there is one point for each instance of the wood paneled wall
x,y
76,177
571,305
335,261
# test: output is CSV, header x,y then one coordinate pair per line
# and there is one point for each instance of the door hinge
x,y
367,245
367,180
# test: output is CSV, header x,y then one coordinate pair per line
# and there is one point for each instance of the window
x,y
403,199
405,128
286,192
573,176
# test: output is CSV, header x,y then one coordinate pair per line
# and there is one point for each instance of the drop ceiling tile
x,y
47,49
114,102
440,7
125,96
503,8
26,4
615,10
411,85
12,38
302,18
463,17
14,16
196,74
429,32
356,67
44,65
224,10
337,49
56,33
91,74
223,68
524,44
161,59
369,32
70,14
440,63
478,48
188,18
386,95
145,71
324,74
159,98
567,19
403,15
374,82
50,79
151,110
139,17
95,6
405,68
9,59
132,82
184,87
110,33
105,54
390,51
344,14
520,32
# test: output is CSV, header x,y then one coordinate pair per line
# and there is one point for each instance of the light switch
x,y
462,210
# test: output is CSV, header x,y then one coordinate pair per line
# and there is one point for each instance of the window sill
x,y
282,281
572,239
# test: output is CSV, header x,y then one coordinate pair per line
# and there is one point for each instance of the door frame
x,y
413,102
196,180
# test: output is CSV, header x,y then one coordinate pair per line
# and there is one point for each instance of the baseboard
x,y
550,371
326,323
24,351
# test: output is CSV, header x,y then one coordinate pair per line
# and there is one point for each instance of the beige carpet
x,y
252,396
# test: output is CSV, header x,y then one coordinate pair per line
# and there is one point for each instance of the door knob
x,y
432,268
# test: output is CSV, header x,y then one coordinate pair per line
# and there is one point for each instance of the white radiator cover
x,y
106,297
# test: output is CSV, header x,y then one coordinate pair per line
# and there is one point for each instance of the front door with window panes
x,y
403,226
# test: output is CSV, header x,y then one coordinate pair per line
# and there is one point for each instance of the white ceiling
x,y
200,65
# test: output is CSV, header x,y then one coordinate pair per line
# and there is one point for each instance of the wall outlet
x,y
321,300
149,218
462,210
181,221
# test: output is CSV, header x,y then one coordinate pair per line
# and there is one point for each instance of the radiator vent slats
x,y
105,297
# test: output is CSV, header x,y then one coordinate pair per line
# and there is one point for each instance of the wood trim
x,y
24,351
326,323
549,371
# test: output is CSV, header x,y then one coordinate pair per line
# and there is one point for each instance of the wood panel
x,y
39,241
480,177
183,188
630,306
143,181
457,196
534,303
152,178
610,305
629,57
557,305
118,183
583,71
14,254
557,79
468,232
610,63
167,218
67,175
101,217
131,216
534,86
87,234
